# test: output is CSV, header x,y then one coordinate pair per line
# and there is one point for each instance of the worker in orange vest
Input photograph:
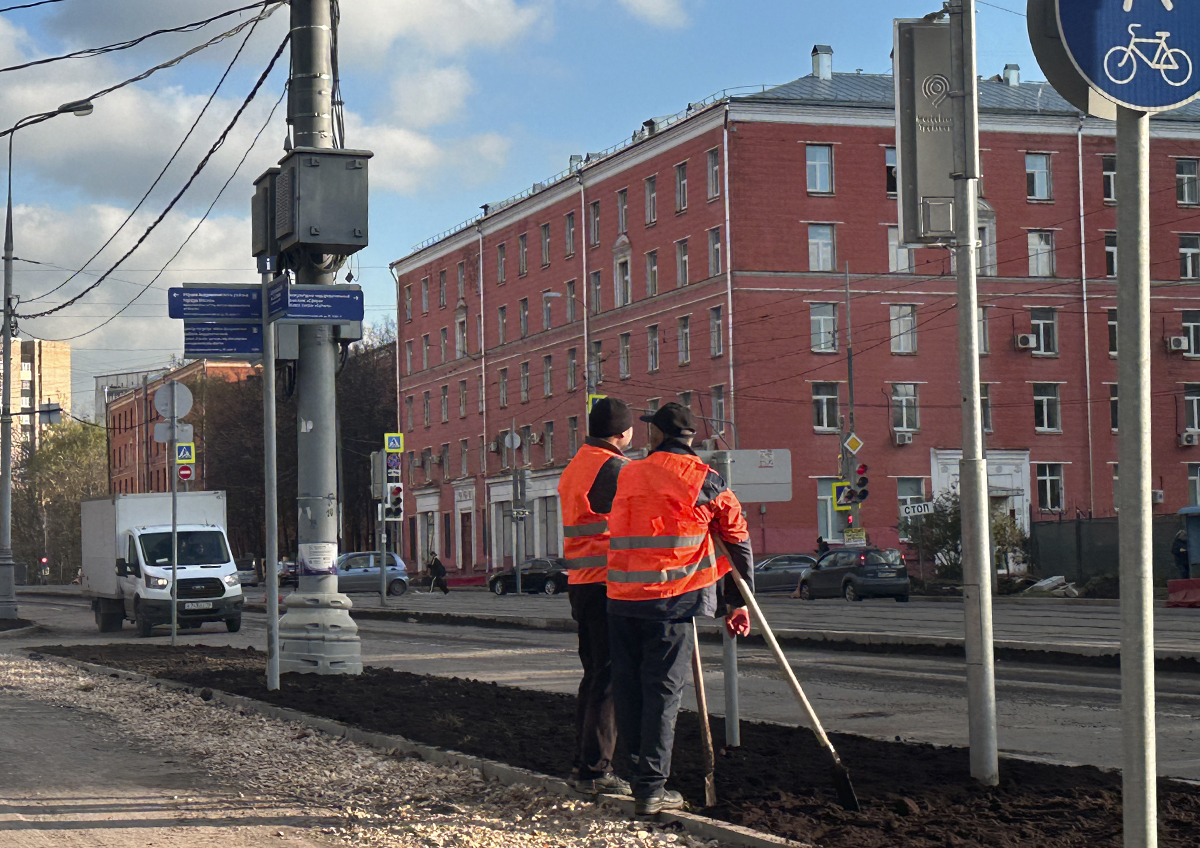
x,y
586,490
663,569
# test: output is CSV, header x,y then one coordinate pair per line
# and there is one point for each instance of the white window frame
x,y
822,247
524,372
652,273
1189,256
623,356
522,254
683,329
622,211
1110,255
501,251
651,187
545,245
1047,408
1044,329
823,327
905,407
714,173
681,198
903,324
652,349
826,407
1041,253
818,168
569,233
594,223
716,331
622,283
1191,407
681,263
1108,177
1039,181
1187,182
596,294
1190,322
547,375
572,369
502,387
1050,486
717,394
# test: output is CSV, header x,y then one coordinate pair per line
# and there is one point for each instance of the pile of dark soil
x,y
914,796
13,624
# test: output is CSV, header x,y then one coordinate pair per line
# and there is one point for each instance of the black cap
x,y
673,419
609,417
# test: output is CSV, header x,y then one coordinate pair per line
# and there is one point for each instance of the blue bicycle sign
x,y
1110,41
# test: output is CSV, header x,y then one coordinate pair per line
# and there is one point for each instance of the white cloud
x,y
406,161
440,27
664,13
432,96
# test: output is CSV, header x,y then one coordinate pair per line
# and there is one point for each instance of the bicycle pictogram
x,y
1172,62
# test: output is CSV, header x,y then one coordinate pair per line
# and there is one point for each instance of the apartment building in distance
x,y
41,375
705,261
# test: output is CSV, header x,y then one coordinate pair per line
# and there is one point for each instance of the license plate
x,y
885,574
195,605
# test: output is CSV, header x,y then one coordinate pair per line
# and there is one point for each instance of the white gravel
x,y
380,799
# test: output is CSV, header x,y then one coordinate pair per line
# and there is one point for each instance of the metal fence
x,y
1081,549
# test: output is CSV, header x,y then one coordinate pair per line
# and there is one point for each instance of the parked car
x,y
781,573
548,576
359,572
287,573
247,570
857,573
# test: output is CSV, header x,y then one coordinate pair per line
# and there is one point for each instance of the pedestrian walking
x,y
663,570
822,547
586,491
437,575
1179,550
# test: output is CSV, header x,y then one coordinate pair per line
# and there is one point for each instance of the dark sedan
x,y
857,573
547,576
781,573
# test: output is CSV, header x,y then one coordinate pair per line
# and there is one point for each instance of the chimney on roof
x,y
822,58
1012,75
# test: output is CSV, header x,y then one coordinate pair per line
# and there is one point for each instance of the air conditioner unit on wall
x,y
1026,341
494,447
535,438
1178,344
903,438
1156,496
1189,439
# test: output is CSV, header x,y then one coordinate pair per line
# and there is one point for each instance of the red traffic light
x,y
850,520
45,560
861,470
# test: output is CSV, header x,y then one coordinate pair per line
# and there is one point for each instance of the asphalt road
x,y
1059,714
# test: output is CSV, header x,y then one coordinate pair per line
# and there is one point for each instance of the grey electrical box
x,y
262,216
321,200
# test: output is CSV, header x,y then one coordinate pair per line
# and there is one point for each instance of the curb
x,y
699,826
28,630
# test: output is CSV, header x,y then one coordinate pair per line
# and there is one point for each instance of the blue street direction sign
x,y
324,305
222,341
1141,54
277,297
218,302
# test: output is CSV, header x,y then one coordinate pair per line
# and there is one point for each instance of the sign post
x,y
173,401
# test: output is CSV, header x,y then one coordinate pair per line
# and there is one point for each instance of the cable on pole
x,y
28,5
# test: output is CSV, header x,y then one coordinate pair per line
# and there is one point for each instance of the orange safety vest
x,y
660,545
585,533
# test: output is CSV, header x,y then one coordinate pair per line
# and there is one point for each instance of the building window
x,y
1114,406
482,394
522,254
652,348
889,170
1191,329
464,458
622,284
572,369
821,247
1112,332
408,411
716,332
548,442
547,316
445,404
502,323
685,339
718,408
408,303
597,286
460,338
651,200
1189,257
524,382
424,351
714,251
819,166
571,301
1187,191
825,407
462,280
681,263
905,413
462,398
1041,253
1045,408
985,256
503,448
904,328
652,273
523,316
1108,167
547,376
899,257
623,356
909,490
1050,487
442,343
500,255
1110,254
441,289
622,208
822,319
425,408
1193,484
502,382
685,400
594,222
1191,406
985,406
596,364
1043,322
1037,176
424,295
569,233
572,436
681,187
545,245
985,341
408,358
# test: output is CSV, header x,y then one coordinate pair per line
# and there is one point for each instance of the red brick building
x,y
704,260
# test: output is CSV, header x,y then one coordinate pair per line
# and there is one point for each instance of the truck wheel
x,y
397,588
145,628
108,622
233,625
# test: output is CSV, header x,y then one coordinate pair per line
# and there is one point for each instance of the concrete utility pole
x,y
972,468
1135,519
317,634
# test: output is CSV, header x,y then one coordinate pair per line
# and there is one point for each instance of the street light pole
x,y
8,586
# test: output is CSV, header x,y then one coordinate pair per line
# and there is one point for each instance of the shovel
x,y
840,775
710,783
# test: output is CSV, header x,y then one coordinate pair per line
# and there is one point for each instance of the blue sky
x,y
463,101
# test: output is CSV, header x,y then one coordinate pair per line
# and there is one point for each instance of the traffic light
x,y
393,504
859,486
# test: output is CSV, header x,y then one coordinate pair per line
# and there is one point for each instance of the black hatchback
x,y
857,573
547,576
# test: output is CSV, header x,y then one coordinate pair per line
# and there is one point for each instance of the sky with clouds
x,y
462,101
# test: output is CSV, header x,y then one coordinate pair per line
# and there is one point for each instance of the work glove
x,y
737,623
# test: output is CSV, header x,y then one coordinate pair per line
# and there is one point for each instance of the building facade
x,y
42,375
721,257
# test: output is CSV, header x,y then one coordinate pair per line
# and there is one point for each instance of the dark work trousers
x,y
595,722
651,661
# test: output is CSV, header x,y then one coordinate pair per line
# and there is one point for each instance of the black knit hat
x,y
673,419
609,417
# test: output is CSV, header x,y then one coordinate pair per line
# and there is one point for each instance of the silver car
x,y
781,573
359,572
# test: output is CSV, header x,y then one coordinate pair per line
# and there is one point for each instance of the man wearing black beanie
x,y
586,491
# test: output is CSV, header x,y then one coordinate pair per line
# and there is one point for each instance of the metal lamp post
x,y
8,594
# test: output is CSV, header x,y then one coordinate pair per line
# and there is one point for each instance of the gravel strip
x,y
381,800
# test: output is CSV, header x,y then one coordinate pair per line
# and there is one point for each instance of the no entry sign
x,y
185,472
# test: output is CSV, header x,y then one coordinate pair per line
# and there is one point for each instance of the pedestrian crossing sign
x,y
592,400
393,442
185,453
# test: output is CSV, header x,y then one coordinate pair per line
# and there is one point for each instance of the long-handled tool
x,y
841,776
710,783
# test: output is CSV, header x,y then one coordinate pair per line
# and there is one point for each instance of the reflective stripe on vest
x,y
585,533
660,545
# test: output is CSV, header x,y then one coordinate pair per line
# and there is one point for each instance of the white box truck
x,y
127,561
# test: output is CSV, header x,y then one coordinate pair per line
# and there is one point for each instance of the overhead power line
x,y
28,5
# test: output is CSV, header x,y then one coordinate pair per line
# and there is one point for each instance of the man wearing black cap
x,y
586,491
663,567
